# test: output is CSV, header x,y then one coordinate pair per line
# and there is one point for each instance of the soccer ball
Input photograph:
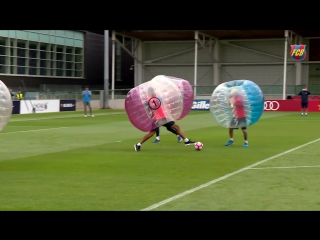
x,y
198,146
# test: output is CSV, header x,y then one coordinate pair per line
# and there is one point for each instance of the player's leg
x,y
242,122
306,109
157,140
245,136
302,108
89,105
145,138
175,133
178,130
233,125
230,142
85,108
159,122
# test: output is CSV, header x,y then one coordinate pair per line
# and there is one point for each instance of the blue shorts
x,y
304,104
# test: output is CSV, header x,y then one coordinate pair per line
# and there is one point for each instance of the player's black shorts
x,y
304,104
238,122
167,125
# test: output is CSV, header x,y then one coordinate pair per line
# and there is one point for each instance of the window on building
x,y
32,50
2,60
33,54
4,56
44,55
32,66
78,62
78,51
78,74
2,46
59,59
21,53
13,61
52,60
69,67
2,69
3,64
69,54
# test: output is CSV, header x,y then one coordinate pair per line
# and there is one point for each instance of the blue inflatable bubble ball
x,y
238,103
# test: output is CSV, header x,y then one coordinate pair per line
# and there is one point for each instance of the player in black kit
x,y
304,93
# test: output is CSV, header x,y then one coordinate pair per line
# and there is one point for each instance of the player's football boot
x,y
245,145
137,148
156,141
179,139
229,143
189,143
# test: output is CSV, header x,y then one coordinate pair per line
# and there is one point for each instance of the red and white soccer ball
x,y
198,146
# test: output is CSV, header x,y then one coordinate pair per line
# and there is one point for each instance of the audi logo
x,y
271,105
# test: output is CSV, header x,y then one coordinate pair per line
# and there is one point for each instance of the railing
x,y
201,91
60,95
266,89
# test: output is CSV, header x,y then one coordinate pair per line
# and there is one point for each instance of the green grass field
x,y
63,161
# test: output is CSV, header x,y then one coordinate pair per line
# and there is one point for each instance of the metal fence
x,y
201,91
207,90
60,95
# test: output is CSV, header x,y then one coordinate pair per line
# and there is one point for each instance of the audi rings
x,y
271,105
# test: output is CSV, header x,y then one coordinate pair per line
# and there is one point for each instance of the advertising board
x,y
201,104
40,106
16,107
67,105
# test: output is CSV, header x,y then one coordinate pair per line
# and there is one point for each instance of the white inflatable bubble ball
x,y
237,103
5,105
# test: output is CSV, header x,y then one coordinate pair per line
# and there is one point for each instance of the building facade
x,y
58,58
49,53
259,60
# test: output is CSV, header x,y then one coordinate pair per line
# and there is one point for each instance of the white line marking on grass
x,y
225,177
35,130
57,117
316,166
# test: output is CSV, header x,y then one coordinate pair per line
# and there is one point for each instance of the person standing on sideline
x,y
12,95
19,95
86,101
304,93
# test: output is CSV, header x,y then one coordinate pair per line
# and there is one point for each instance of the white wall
x,y
182,65
314,77
267,70
261,75
205,73
117,104
95,104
